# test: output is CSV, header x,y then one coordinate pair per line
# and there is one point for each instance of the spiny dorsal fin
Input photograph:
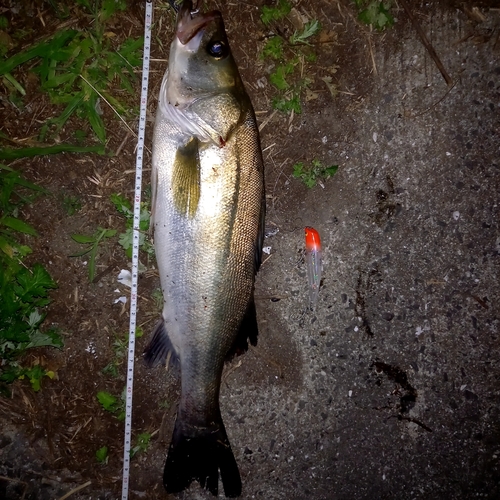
x,y
186,178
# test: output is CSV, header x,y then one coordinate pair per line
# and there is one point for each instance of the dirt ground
x,y
390,388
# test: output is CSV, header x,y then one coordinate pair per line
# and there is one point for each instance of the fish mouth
x,y
190,21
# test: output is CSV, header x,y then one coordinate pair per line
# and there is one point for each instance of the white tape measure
x,y
135,247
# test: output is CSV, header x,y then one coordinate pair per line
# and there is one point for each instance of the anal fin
x,y
160,350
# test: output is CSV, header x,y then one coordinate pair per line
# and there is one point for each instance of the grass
x,y
77,68
24,287
125,239
7,154
92,243
292,56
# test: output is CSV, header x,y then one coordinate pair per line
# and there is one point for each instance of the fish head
x,y
203,83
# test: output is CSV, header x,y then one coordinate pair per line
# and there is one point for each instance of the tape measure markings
x,y
135,249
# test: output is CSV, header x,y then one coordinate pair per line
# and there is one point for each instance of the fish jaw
x,y
190,21
195,70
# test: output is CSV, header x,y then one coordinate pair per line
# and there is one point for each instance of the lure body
x,y
313,263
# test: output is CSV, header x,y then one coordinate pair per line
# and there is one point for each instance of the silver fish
x,y
208,219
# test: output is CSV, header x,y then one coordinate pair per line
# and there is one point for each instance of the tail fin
x,y
200,457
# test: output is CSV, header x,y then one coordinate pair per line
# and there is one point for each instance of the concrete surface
x,y
390,389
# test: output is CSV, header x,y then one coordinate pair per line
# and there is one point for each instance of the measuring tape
x,y
135,247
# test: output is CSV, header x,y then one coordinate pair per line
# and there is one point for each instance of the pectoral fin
x,y
186,178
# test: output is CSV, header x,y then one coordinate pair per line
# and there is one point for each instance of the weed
x,y
35,375
164,405
286,103
92,243
142,444
113,404
157,297
102,455
273,48
270,14
375,13
292,54
278,77
78,67
71,204
119,351
120,346
126,239
24,289
311,175
310,29
111,368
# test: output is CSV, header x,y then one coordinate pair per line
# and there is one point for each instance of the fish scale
x,y
208,209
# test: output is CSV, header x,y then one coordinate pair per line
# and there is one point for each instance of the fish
x,y
208,212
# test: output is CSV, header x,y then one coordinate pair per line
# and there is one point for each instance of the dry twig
x,y
426,43
76,490
14,480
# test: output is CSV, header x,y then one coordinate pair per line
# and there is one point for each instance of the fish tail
x,y
200,457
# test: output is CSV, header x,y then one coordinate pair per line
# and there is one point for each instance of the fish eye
x,y
217,49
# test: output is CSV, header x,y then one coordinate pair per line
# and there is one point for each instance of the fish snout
x,y
190,21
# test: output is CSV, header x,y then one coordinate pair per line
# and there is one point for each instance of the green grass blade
x,y
14,154
14,177
94,119
83,238
6,247
42,49
81,254
92,259
17,225
15,83
64,116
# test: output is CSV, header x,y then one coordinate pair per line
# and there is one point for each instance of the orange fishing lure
x,y
313,263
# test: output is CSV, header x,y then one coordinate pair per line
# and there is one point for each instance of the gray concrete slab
x,y
390,388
